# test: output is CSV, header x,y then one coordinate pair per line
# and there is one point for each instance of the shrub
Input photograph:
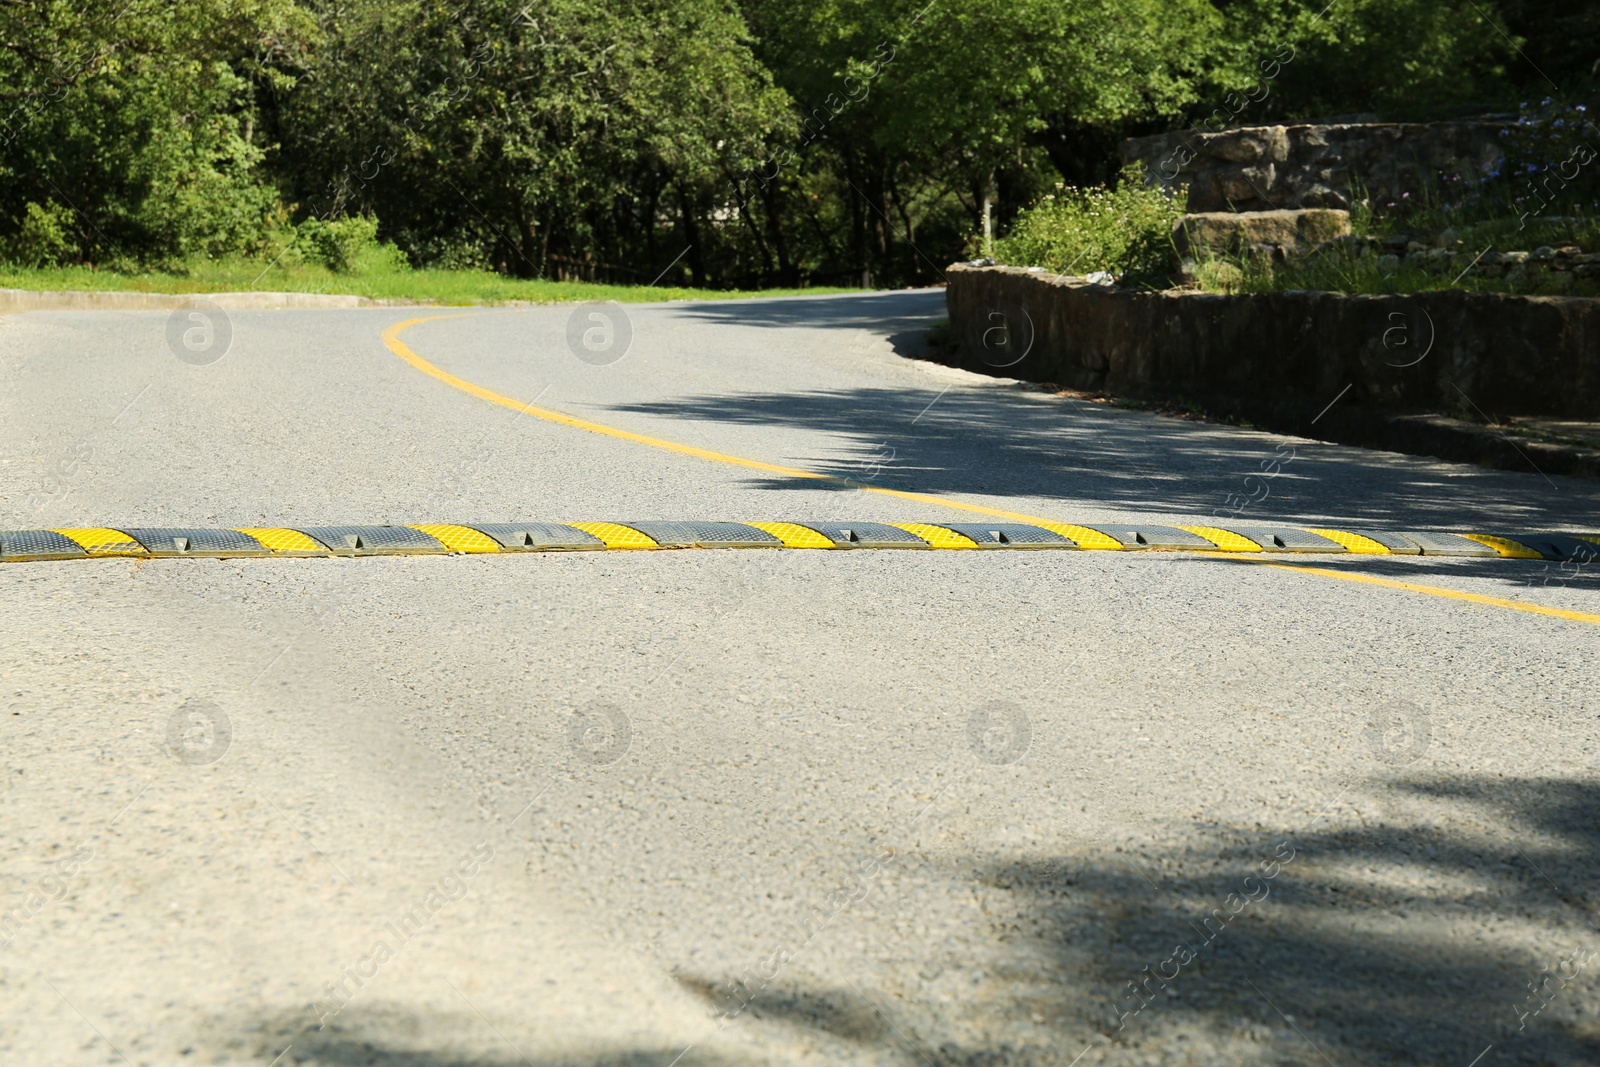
x,y
336,244
1552,160
45,237
1122,230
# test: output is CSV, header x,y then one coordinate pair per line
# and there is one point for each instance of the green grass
x,y
375,275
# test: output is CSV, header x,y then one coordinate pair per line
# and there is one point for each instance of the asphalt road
x,y
745,807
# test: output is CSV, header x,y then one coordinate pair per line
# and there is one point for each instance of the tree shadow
x,y
1429,919
1516,579
1411,933
1397,941
867,311
381,1036
989,440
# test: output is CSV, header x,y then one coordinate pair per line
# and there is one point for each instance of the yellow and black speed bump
x,y
1010,535
866,535
140,542
1449,544
213,543
1287,540
1169,537
535,536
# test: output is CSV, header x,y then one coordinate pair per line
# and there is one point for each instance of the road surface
x,y
757,807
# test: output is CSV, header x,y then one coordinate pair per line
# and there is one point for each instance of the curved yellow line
x,y
1434,590
391,339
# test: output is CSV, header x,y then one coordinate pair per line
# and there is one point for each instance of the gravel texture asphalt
x,y
728,808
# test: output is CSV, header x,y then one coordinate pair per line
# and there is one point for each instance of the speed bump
x,y
285,542
1009,535
460,538
38,544
1449,544
102,541
1371,542
165,541
937,536
793,535
707,535
866,535
1226,540
144,542
538,536
1558,547
616,535
1285,539
375,540
1169,537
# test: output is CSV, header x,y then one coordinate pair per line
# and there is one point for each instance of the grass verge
x,y
375,276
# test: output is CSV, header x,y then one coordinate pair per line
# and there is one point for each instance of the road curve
x,y
760,807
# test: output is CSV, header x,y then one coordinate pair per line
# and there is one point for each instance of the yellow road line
x,y
1434,590
391,339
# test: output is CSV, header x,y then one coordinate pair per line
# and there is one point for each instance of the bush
x,y
45,237
336,244
1125,230
1551,163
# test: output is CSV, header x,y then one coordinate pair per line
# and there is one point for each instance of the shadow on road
x,y
993,441
1512,579
1425,920
869,311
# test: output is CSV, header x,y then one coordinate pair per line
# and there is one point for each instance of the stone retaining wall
x,y
1262,168
1287,354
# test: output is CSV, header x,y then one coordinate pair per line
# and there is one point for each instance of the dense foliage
x,y
712,142
1087,230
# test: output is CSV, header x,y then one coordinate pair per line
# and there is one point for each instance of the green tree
x,y
138,120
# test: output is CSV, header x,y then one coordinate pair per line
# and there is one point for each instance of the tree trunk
x,y
991,192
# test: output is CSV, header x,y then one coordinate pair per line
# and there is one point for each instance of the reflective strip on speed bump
x,y
793,535
1082,536
936,536
100,541
460,538
1226,540
1363,543
616,535
284,542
